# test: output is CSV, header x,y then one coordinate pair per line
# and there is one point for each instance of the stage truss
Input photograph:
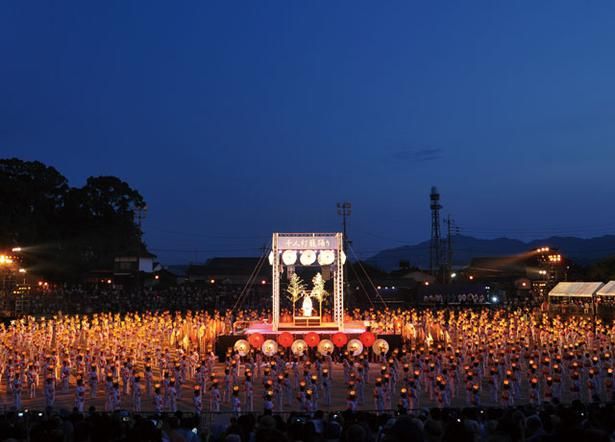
x,y
330,245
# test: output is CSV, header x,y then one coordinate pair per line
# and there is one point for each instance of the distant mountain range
x,y
581,251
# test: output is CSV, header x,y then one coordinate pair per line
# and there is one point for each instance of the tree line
x,y
67,231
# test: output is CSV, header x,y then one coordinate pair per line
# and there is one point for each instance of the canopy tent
x,y
576,289
607,290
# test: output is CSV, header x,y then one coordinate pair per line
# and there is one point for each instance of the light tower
x,y
435,247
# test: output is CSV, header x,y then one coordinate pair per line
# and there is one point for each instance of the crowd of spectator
x,y
118,300
550,422
457,298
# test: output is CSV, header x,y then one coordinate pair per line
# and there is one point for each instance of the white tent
x,y
576,289
607,290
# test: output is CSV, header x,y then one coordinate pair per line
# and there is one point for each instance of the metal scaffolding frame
x,y
338,273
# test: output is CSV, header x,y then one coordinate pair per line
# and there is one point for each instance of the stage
x,y
325,328
225,342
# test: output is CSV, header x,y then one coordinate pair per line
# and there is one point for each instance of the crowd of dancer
x,y
150,361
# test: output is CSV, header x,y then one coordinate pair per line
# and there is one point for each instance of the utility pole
x,y
344,210
140,215
449,249
451,229
435,249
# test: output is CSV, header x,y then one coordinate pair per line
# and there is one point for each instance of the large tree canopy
x,y
67,231
31,196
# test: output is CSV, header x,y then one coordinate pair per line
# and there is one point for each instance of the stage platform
x,y
325,328
225,342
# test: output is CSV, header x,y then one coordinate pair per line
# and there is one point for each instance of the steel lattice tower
x,y
435,247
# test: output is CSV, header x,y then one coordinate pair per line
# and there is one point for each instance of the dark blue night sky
x,y
237,119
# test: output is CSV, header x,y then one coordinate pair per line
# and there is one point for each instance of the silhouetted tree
x,y
31,197
69,230
603,270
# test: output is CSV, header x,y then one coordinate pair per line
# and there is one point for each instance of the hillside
x,y
582,251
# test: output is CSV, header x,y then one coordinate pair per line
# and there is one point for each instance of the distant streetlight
x,y
16,249
453,275
22,270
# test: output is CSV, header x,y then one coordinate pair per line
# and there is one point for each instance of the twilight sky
x,y
238,118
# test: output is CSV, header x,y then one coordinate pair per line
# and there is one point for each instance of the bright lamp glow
x,y
270,258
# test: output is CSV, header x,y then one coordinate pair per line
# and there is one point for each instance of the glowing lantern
x,y
312,339
299,347
289,257
339,339
367,338
381,346
326,257
308,257
270,347
285,339
325,347
256,340
242,347
355,347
